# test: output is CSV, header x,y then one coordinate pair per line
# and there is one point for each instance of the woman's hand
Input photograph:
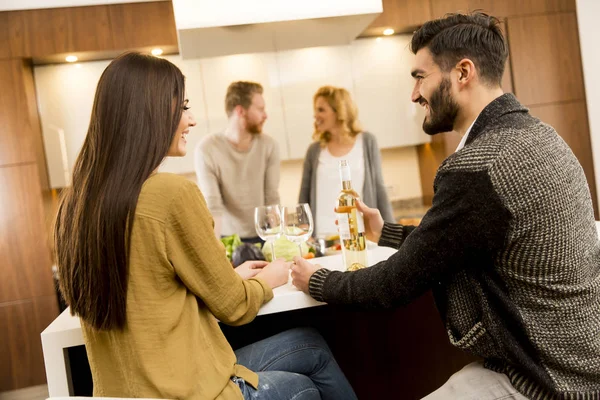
x,y
302,270
250,269
276,273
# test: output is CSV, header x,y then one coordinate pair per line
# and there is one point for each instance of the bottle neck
x,y
346,185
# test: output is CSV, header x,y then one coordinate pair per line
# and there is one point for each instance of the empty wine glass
x,y
267,222
297,224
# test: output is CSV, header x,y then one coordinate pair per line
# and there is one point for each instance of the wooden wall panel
x,y
507,83
22,362
39,32
400,15
545,57
19,35
26,264
511,8
441,7
42,32
4,36
156,28
89,29
16,141
105,29
571,122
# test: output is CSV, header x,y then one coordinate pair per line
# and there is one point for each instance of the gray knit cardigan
x,y
511,252
374,193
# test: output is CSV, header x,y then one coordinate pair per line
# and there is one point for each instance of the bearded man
x,y
238,169
509,247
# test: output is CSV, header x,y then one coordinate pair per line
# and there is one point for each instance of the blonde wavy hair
x,y
347,114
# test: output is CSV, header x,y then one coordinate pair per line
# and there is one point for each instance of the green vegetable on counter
x,y
284,249
231,243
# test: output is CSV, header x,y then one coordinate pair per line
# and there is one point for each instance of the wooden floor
x,y
30,393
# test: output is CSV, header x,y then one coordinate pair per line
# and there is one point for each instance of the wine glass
x,y
297,224
267,222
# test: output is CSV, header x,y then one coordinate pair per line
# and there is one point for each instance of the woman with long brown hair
x,y
140,265
338,135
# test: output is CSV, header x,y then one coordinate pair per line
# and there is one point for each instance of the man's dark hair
x,y
476,36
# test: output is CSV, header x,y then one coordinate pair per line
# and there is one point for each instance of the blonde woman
x,y
338,135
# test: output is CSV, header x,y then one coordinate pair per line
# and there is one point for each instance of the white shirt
x,y
465,136
329,184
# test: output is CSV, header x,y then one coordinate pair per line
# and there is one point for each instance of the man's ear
x,y
466,70
238,110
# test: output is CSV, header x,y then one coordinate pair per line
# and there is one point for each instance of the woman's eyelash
x,y
185,108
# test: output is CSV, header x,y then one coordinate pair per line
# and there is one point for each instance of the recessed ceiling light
x,y
157,52
388,32
71,58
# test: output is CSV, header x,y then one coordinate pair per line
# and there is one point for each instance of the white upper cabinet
x,y
65,95
382,89
219,72
302,72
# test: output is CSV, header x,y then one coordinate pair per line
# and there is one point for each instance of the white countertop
x,y
286,297
65,330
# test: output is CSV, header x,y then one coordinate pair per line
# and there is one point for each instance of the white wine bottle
x,y
351,225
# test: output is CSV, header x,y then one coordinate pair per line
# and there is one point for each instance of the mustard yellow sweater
x,y
180,283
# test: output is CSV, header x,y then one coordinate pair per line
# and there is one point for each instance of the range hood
x,y
209,28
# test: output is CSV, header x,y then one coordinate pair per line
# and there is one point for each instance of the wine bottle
x,y
351,225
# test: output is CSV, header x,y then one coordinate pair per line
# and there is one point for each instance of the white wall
x,y
588,14
375,71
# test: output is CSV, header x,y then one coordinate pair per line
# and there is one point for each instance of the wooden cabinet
x,y
156,28
400,15
545,57
89,29
22,362
42,33
439,8
512,8
16,134
26,264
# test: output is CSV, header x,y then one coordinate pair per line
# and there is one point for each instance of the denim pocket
x,y
240,382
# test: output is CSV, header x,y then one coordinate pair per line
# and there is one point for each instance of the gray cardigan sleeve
x,y
382,201
307,174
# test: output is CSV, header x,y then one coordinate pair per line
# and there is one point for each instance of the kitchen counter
x,y
405,346
65,330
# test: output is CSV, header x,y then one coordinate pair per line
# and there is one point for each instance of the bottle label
x,y
360,222
344,225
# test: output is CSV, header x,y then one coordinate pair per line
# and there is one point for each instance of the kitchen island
x,y
65,331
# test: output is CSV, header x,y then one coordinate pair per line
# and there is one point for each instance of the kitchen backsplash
x,y
376,71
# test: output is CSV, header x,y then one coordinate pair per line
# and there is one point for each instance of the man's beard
x,y
254,128
442,110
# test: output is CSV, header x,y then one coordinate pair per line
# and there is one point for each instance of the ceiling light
x,y
71,58
388,32
157,52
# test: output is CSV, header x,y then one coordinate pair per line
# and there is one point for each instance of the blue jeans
x,y
295,364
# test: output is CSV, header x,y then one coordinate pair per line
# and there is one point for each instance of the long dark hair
x,y
135,116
